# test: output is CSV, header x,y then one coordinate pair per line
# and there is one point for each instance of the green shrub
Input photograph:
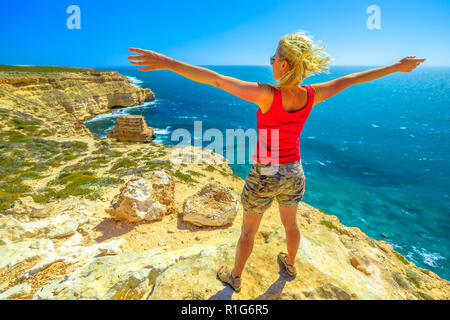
x,y
113,153
75,146
195,173
21,140
329,224
107,181
158,164
39,167
30,175
13,135
414,278
50,69
124,163
424,296
101,150
136,154
77,178
400,257
46,133
184,177
69,157
6,199
400,281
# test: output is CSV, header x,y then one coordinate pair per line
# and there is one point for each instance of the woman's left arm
x,y
257,93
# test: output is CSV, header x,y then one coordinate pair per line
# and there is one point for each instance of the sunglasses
x,y
272,59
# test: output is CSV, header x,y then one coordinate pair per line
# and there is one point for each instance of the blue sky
x,y
228,32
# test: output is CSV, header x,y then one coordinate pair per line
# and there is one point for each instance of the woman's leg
x,y
244,247
288,218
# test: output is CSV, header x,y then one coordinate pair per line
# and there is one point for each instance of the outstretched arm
x,y
326,90
257,93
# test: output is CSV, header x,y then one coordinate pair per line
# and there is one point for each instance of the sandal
x,y
283,256
224,274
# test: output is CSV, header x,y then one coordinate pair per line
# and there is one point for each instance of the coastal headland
x,y
89,218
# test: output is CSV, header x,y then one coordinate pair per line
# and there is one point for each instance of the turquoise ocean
x,y
376,155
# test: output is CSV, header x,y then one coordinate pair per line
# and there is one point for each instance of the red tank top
x,y
279,131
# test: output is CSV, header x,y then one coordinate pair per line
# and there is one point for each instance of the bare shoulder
x,y
328,89
267,97
320,90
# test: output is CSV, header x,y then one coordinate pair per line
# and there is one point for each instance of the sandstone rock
x,y
27,206
359,263
70,97
131,128
134,203
57,226
163,188
66,229
213,205
71,253
16,253
190,273
126,276
16,292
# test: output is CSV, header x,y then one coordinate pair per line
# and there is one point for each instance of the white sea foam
x,y
105,116
311,137
406,212
374,125
403,128
162,131
429,258
121,112
135,81
187,117
362,219
320,162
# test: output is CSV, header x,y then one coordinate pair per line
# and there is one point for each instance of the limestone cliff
x,y
60,239
65,99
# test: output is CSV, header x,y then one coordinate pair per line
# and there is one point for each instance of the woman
x,y
277,172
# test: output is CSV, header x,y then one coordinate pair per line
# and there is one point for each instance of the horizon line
x,y
208,65
262,65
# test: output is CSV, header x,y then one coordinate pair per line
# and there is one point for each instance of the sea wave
x,y
429,258
162,131
105,116
187,117
135,81
121,112
320,162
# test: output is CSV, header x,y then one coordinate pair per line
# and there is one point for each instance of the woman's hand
x,y
151,60
408,64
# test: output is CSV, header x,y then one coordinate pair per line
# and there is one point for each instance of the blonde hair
x,y
304,57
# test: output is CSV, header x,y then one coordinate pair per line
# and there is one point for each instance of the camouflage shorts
x,y
284,181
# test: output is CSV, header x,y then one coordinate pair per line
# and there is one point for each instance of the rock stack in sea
x,y
131,128
66,99
85,218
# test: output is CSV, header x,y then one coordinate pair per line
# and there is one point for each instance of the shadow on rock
x,y
111,228
224,294
276,289
183,225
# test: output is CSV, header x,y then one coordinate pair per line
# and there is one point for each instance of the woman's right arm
x,y
325,90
